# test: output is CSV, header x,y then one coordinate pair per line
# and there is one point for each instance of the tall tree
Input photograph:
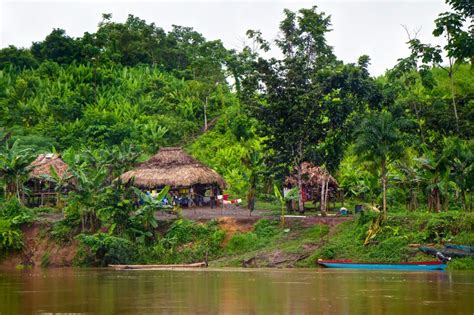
x,y
379,140
305,97
459,44
57,47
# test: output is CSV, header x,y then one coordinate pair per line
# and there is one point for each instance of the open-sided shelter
x,y
173,167
41,190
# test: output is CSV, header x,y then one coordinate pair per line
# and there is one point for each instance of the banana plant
x,y
89,184
146,213
435,177
15,165
281,199
62,183
460,158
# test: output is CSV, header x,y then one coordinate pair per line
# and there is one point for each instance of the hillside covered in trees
x,y
112,98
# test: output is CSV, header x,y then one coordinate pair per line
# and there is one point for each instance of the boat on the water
x,y
349,264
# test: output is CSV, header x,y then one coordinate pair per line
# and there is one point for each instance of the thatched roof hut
x,y
172,167
43,163
42,191
312,176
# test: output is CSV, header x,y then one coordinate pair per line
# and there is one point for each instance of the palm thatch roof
x,y
312,177
43,163
173,167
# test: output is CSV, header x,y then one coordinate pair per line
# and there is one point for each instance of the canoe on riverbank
x,y
453,251
349,264
465,248
149,267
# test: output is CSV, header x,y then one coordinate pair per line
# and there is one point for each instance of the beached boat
x,y
465,248
349,264
454,251
153,267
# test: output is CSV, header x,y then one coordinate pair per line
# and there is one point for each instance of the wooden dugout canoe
x,y
137,267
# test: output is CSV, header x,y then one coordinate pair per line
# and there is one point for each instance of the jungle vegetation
x,y
111,98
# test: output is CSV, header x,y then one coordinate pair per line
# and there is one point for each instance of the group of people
x,y
189,198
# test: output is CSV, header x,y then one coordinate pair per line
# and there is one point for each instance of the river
x,y
235,291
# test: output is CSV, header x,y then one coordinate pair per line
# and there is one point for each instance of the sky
x,y
371,27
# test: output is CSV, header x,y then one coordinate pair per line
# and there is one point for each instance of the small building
x,y
41,190
317,185
189,179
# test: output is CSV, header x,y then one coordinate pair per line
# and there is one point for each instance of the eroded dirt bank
x,y
41,250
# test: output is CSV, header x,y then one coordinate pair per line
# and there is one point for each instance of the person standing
x,y
212,197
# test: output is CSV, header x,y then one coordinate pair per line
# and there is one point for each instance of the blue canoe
x,y
349,264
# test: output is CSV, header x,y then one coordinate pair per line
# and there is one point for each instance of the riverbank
x,y
398,240
252,242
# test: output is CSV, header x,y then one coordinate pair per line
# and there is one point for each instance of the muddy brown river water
x,y
235,291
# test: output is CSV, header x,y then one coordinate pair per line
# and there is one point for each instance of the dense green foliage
x,y
183,241
400,230
12,216
112,98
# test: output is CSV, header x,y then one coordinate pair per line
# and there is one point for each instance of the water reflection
x,y
235,292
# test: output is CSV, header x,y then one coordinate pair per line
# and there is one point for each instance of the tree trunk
x,y
384,186
323,198
300,190
205,115
470,200
436,200
17,184
463,199
326,196
417,113
451,81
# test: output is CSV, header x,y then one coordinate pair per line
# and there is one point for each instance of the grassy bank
x,y
396,241
260,244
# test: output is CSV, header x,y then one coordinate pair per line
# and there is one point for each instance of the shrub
x,y
103,249
13,214
10,237
187,241
62,232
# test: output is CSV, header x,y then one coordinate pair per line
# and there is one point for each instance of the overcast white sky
x,y
359,27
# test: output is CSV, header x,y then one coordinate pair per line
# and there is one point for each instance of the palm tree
x,y
379,141
15,165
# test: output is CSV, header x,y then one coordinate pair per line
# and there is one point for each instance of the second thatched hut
x,y
42,191
189,179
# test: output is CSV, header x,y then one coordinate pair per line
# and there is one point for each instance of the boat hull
x,y
421,266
